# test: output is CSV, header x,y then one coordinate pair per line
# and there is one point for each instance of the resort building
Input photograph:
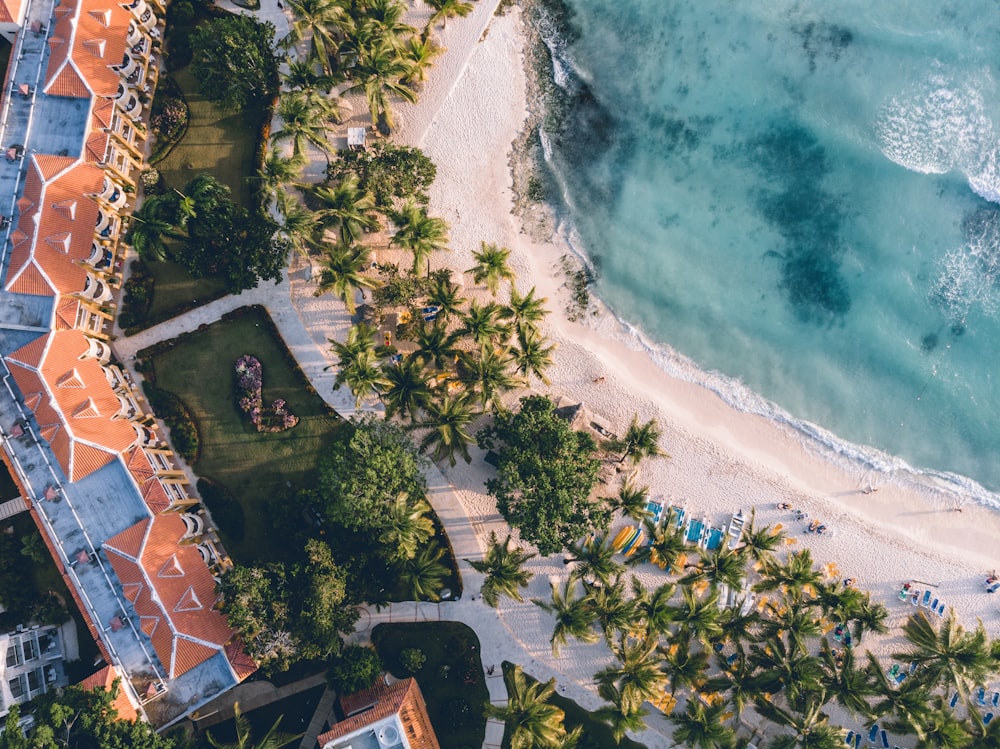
x,y
105,491
386,716
32,664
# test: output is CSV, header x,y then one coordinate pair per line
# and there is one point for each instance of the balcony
x,y
113,194
194,525
128,66
131,106
97,291
98,350
147,20
134,36
107,224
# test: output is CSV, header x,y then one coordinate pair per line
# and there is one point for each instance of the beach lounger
x,y
894,671
981,696
996,699
713,539
857,740
934,605
987,718
850,738
993,588
885,739
873,733
913,667
695,530
940,611
915,598
954,700
927,598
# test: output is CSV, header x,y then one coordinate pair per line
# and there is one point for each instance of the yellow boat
x,y
633,546
624,536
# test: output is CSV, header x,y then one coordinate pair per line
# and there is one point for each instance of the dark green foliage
x,y
398,289
356,668
365,470
452,680
169,116
180,13
546,472
172,411
389,172
234,62
16,593
75,718
138,297
412,659
225,508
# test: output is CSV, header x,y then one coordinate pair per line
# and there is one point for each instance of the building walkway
x,y
13,507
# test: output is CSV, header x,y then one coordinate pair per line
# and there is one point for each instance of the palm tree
x,y
407,527
443,294
615,612
503,570
530,720
797,624
719,567
346,208
149,227
811,726
702,727
699,617
794,576
666,544
640,441
849,685
387,15
575,616
419,233
302,123
448,419
941,729
620,716
343,273
760,544
532,356
488,374
358,364
595,560
445,9
632,500
525,311
419,53
835,601
273,739
481,324
907,703
653,610
781,667
636,676
684,665
298,223
491,266
378,74
315,20
869,616
737,677
738,627
302,76
276,171
949,656
424,574
405,389
436,346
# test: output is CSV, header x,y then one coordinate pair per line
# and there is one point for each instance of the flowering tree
x,y
249,378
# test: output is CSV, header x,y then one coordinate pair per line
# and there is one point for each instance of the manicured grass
x,y
596,734
255,467
217,141
295,712
175,290
451,677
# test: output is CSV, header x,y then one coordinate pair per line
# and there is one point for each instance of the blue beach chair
x,y
885,739
850,738
996,699
954,700
940,610
857,740
873,733
927,598
934,605
987,718
981,696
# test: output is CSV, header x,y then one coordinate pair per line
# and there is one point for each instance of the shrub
x,y
173,412
412,659
151,181
356,668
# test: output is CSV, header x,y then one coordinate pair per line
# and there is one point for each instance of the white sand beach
x,y
722,459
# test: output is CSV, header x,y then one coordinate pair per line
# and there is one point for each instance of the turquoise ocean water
x,y
805,197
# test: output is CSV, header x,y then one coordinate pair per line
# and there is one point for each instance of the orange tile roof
x,y
88,40
67,311
177,596
142,472
90,438
105,679
378,703
10,11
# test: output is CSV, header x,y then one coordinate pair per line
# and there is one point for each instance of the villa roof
x,y
10,11
370,706
72,401
105,679
62,218
145,477
87,43
173,594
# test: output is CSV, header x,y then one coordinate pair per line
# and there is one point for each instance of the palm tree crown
x,y
502,566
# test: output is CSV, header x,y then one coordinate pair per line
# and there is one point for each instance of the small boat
x,y
735,530
633,546
622,538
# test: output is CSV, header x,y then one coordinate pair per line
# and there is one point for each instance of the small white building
x,y
31,663
386,716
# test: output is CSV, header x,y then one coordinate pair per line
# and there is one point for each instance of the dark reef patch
x,y
822,40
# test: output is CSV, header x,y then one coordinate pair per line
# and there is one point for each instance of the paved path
x,y
12,508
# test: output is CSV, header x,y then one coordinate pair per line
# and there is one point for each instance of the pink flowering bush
x,y
249,378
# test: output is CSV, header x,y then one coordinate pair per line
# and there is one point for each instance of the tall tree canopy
x,y
546,472
367,468
389,172
234,62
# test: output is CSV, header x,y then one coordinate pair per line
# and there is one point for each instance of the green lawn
x,y
451,680
596,734
176,290
255,467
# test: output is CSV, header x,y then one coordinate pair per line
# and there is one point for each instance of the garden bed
x,y
452,679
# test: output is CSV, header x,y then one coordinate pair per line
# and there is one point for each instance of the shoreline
x,y
722,459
